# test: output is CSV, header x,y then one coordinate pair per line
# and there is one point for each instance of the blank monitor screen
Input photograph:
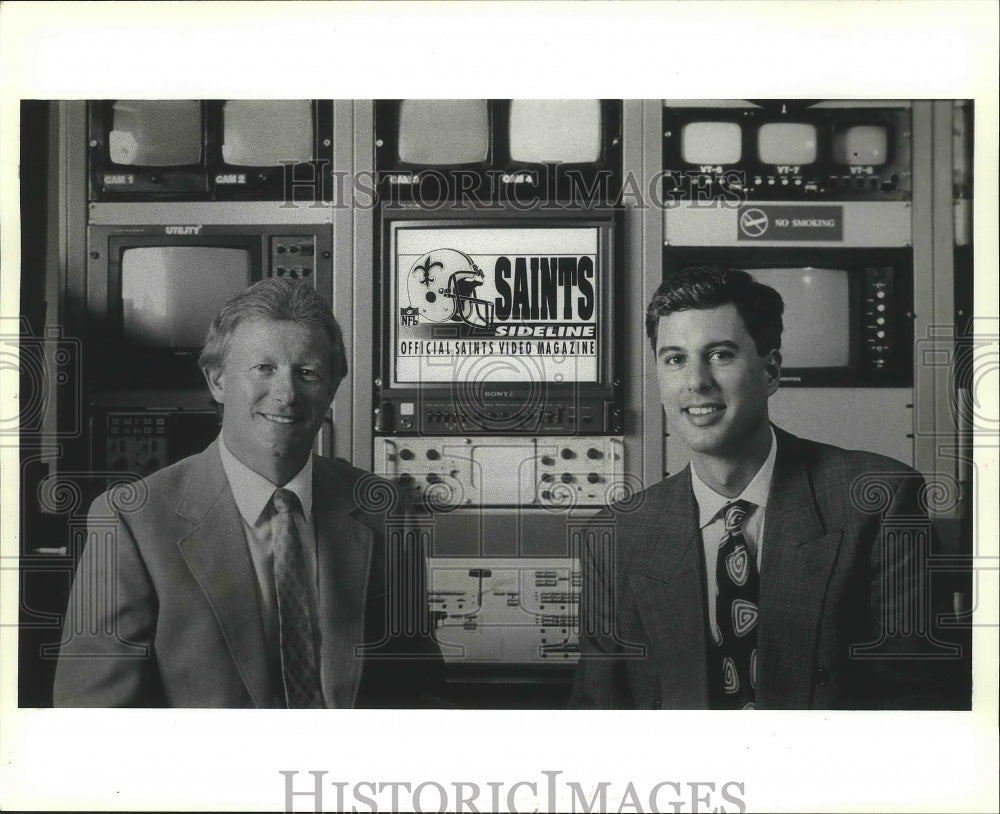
x,y
711,143
155,133
435,132
564,131
786,143
266,133
861,144
817,315
171,293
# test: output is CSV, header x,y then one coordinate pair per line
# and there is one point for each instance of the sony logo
x,y
183,230
498,394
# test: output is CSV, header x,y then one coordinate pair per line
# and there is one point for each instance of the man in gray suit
x,y
254,574
773,572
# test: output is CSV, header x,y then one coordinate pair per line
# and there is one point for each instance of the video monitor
x,y
711,142
861,145
155,133
443,132
566,131
171,293
787,143
514,304
258,133
817,317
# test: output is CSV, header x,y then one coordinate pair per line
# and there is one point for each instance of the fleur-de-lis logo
x,y
425,270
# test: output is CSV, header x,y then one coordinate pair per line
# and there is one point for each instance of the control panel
x,y
557,473
136,442
879,344
292,256
142,441
470,413
523,611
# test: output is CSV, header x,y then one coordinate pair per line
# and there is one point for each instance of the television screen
x,y
171,293
861,144
266,133
162,133
817,315
496,305
711,143
564,131
435,132
786,143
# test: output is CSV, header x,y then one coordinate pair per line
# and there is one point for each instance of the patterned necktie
x,y
736,613
299,669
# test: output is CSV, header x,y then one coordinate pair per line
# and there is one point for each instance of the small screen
x,y
436,132
266,133
817,315
862,144
482,305
171,293
564,131
786,143
711,143
155,133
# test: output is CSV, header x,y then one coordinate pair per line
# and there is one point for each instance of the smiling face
x,y
276,385
713,384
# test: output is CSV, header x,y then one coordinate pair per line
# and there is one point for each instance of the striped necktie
x,y
299,669
736,613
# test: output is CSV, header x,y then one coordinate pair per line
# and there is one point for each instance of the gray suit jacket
x,y
844,605
164,610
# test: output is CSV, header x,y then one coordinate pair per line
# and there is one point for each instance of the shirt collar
x,y
710,502
252,491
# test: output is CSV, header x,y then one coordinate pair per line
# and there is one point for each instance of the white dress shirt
x,y
252,493
710,521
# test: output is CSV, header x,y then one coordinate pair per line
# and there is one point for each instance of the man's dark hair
x,y
701,287
278,298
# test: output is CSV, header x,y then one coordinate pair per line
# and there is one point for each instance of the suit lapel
x,y
670,594
215,552
798,556
344,561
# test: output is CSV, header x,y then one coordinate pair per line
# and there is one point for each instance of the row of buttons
x,y
445,417
147,427
295,248
569,477
567,454
299,273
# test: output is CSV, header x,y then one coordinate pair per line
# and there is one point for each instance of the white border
x,y
229,760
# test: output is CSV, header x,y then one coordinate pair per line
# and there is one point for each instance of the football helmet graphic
x,y
442,285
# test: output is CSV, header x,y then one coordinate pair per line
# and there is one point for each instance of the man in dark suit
x,y
254,574
773,572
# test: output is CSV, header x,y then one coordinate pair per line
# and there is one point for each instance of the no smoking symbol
x,y
753,222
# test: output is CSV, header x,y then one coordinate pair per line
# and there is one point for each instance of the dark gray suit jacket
x,y
844,600
165,611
